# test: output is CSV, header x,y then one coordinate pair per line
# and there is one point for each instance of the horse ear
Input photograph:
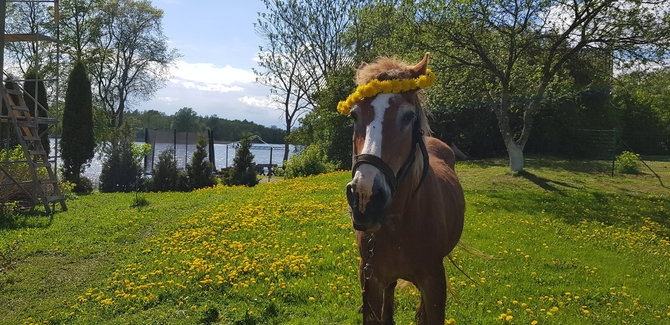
x,y
420,68
363,64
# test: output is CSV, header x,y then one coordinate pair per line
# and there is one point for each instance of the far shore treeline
x,y
187,120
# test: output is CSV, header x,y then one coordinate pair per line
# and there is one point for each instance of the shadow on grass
x,y
542,182
576,206
572,165
33,219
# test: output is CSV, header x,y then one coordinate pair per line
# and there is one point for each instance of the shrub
x,y
627,163
311,161
83,186
165,174
200,169
243,171
19,172
120,171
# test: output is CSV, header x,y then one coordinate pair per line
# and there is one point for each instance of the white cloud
x,y
166,99
259,101
209,77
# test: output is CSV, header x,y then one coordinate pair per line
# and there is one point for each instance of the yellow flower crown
x,y
375,87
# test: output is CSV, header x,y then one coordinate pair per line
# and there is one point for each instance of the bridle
x,y
393,180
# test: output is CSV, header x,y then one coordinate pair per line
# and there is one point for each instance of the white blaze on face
x,y
366,174
373,133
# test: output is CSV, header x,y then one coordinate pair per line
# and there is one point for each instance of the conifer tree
x,y
77,140
243,171
165,175
34,87
200,169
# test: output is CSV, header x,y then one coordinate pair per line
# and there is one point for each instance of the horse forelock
x,y
385,68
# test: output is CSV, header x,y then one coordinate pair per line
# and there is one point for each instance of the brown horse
x,y
406,202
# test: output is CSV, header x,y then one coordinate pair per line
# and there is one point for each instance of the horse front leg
x,y
433,286
373,298
387,308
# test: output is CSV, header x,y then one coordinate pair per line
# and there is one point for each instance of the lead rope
x,y
367,275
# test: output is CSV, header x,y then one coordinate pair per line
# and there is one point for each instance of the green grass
x,y
569,244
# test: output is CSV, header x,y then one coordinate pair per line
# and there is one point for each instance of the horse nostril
x,y
352,198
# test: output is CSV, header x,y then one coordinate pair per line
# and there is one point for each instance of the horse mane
x,y
385,68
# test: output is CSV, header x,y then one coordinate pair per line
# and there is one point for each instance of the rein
x,y
394,179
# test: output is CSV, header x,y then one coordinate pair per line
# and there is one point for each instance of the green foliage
x,y
120,170
20,172
139,201
311,161
324,126
243,171
186,120
642,99
36,89
165,175
200,169
83,186
78,143
627,163
224,130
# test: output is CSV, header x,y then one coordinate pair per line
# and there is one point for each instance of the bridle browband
x,y
393,180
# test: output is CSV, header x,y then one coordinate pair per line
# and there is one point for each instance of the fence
x,y
221,155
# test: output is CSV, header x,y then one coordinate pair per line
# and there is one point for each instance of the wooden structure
x,y
42,188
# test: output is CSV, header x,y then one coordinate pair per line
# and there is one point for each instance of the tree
x,y
165,175
186,120
324,127
77,142
304,44
200,169
519,47
642,98
243,171
79,27
131,55
120,171
29,17
34,88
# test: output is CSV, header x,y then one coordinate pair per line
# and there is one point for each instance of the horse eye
x,y
408,117
354,116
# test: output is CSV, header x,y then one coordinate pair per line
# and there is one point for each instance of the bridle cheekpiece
x,y
373,88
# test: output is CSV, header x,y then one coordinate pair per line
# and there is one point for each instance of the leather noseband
x,y
393,180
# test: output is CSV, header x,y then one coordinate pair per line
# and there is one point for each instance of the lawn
x,y
562,243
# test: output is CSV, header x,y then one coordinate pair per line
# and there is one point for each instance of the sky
x,y
218,45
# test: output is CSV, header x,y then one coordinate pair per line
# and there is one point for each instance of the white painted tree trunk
x,y
515,153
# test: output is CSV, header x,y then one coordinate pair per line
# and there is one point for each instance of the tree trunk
x,y
515,153
288,132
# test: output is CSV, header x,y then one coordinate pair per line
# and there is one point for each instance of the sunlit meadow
x,y
564,243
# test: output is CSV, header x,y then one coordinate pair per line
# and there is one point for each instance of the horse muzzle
x,y
368,205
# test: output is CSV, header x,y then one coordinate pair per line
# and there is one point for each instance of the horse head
x,y
388,132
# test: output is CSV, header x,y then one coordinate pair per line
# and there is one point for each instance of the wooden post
x,y
146,140
3,13
210,133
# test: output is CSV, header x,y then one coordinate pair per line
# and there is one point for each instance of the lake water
x,y
223,156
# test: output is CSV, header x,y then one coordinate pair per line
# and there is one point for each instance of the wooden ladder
x,y
26,127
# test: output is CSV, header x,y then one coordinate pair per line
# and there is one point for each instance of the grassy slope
x,y
571,245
